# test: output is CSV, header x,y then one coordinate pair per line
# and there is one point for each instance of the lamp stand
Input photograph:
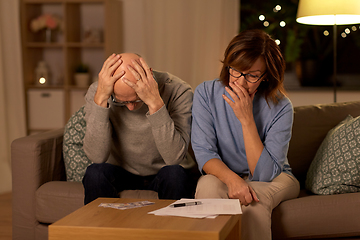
x,y
335,60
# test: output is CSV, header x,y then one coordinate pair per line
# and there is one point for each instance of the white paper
x,y
209,208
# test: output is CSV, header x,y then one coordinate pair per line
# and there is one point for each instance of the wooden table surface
x,y
93,222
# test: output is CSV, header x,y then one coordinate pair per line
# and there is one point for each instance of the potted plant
x,y
82,75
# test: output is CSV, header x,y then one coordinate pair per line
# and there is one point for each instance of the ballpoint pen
x,y
186,204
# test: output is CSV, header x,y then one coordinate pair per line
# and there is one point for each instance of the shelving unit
x,y
68,49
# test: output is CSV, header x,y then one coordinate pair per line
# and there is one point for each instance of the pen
x,y
185,204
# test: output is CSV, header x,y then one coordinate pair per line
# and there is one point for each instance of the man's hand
x,y
240,189
107,79
146,87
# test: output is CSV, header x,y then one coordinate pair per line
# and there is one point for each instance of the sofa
x,y
41,194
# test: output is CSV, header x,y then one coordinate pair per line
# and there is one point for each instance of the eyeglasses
x,y
251,78
124,103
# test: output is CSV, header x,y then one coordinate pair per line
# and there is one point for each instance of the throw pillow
x,y
336,166
75,158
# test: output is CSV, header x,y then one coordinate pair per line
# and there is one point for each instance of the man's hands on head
x,y
107,79
146,87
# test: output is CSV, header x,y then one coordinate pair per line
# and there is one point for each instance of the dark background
x,y
306,49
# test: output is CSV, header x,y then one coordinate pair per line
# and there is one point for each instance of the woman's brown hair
x,y
243,51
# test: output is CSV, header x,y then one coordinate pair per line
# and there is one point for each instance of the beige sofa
x,y
41,194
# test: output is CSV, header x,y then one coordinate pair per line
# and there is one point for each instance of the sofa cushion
x,y
317,216
75,158
311,124
139,194
336,166
56,199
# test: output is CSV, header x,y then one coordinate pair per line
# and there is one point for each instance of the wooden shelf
x,y
85,45
70,47
43,45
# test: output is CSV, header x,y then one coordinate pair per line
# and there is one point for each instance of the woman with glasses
x,y
241,130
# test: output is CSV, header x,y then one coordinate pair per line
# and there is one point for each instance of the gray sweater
x,y
135,140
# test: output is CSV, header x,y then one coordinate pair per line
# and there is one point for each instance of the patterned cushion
x,y
336,166
75,159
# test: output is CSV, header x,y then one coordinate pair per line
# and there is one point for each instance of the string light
x,y
277,8
282,24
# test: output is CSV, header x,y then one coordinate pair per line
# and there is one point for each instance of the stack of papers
x,y
209,208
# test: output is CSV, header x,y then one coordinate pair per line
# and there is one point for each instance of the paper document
x,y
209,208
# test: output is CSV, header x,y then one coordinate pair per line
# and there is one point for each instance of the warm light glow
x,y
328,12
277,8
343,35
277,41
266,23
261,17
326,33
347,31
353,28
282,24
329,19
42,80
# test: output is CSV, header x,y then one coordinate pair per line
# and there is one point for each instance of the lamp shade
x,y
328,12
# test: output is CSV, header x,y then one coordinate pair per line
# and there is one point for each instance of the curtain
x,y
184,37
12,106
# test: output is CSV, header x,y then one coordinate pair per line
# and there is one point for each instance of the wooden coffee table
x,y
93,222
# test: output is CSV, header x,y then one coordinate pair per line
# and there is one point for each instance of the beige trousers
x,y
256,217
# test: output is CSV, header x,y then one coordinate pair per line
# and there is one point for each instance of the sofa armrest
x,y
35,160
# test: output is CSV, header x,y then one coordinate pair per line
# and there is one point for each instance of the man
x,y
137,131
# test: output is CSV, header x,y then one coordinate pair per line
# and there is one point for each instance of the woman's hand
x,y
146,87
242,106
242,103
240,189
107,79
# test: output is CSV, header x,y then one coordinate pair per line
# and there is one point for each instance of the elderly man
x,y
137,131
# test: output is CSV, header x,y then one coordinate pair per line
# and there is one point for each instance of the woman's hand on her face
x,y
107,79
242,103
240,189
146,87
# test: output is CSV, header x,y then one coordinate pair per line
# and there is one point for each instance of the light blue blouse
x,y
217,133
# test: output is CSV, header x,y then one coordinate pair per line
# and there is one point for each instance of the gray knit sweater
x,y
135,140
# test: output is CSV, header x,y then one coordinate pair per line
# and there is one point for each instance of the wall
x,y
184,37
12,112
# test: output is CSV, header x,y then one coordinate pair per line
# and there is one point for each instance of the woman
x,y
241,131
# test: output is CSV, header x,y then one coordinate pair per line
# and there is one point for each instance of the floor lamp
x,y
329,12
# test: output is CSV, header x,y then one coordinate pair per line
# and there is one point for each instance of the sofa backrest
x,y
311,124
